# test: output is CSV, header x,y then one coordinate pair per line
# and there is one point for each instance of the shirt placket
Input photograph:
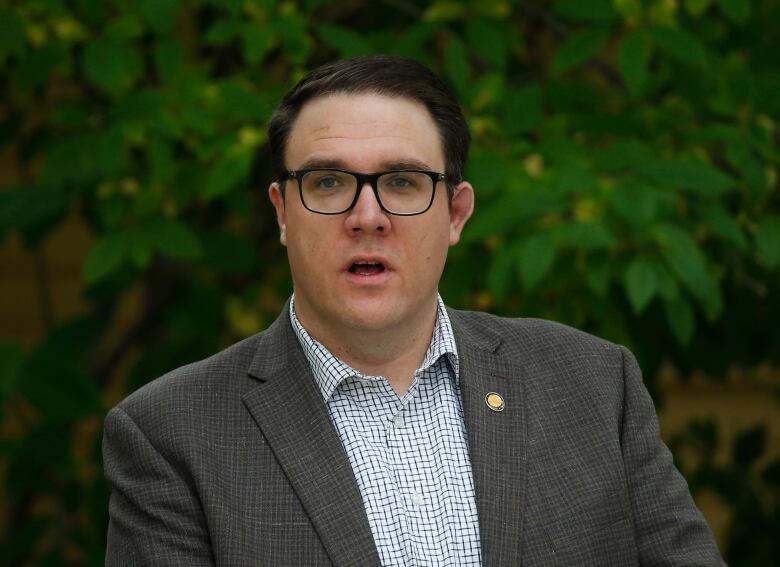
x,y
412,491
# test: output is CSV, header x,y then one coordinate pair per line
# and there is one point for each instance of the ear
x,y
277,200
461,207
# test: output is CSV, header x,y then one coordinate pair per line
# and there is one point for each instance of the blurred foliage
x,y
625,159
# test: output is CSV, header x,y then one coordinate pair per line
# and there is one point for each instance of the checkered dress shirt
x,y
409,454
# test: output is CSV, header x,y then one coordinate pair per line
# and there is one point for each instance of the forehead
x,y
363,132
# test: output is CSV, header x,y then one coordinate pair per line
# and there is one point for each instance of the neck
x,y
394,353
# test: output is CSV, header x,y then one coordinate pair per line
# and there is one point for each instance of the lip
x,y
373,280
363,258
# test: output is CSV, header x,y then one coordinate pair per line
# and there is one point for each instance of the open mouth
x,y
367,268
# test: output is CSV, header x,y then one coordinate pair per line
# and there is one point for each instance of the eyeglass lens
x,y
404,192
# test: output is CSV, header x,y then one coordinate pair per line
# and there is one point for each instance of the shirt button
x,y
398,421
417,499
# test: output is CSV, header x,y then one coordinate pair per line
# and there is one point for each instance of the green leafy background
x,y
625,159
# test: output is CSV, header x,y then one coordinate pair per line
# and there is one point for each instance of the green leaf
x,y
232,6
695,176
112,64
767,85
641,283
585,10
457,64
258,41
222,31
487,90
173,239
680,317
11,362
689,265
681,46
768,240
667,285
29,207
296,36
141,252
40,65
161,14
347,42
106,256
502,216
750,169
59,389
228,253
124,28
486,41
12,39
52,378
522,109
492,170
499,276
637,204
44,443
536,258
623,154
629,10
169,60
229,171
584,236
750,445
633,60
738,11
571,178
771,473
598,275
161,160
444,11
109,153
697,7
68,160
579,48
721,223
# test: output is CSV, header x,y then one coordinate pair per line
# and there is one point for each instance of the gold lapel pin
x,y
495,401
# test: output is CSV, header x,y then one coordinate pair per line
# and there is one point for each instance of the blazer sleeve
x,y
669,528
155,516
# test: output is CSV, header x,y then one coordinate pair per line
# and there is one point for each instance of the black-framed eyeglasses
x,y
404,192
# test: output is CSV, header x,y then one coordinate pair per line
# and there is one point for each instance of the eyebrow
x,y
391,165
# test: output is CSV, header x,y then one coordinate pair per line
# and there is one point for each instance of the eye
x,y
401,182
328,183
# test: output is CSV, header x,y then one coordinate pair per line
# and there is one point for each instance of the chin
x,y
371,319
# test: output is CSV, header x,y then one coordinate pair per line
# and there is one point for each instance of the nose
x,y
367,215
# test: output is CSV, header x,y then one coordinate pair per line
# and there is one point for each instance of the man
x,y
370,424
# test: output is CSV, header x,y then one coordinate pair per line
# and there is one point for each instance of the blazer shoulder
x,y
533,334
550,353
197,385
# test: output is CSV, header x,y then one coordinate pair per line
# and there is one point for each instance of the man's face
x,y
334,291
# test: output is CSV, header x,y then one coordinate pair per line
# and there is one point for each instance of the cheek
x,y
306,253
311,249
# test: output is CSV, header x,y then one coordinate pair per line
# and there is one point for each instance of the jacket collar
x,y
288,407
497,439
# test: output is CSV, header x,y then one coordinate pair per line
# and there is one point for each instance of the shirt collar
x,y
329,371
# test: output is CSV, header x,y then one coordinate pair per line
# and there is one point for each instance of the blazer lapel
x,y
496,439
288,408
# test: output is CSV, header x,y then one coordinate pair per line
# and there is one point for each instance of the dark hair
x,y
381,74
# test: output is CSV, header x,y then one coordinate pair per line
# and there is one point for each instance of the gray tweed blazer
x,y
234,461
